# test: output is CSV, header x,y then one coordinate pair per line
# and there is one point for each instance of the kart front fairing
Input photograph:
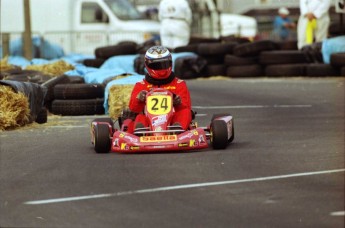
x,y
189,140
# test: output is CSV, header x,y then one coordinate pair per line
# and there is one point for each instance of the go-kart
x,y
160,135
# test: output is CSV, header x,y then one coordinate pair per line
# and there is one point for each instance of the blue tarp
x,y
332,45
130,80
115,66
40,49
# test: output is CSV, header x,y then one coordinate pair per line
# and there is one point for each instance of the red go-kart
x,y
160,136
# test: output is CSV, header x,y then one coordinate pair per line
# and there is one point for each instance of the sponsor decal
x,y
130,138
189,135
158,147
195,132
158,138
159,93
158,129
170,87
124,146
121,135
192,143
183,145
116,143
201,139
134,147
157,120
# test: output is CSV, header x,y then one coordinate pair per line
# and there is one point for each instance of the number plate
x,y
158,104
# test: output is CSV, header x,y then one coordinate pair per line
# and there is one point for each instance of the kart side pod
x,y
221,131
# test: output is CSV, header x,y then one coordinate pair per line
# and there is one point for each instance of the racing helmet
x,y
158,62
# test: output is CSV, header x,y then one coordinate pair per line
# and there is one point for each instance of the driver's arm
x,y
136,105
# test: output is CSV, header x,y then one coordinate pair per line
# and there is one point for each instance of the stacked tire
x,y
104,53
245,59
78,99
338,62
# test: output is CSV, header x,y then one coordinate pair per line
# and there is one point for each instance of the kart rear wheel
x,y
219,134
102,138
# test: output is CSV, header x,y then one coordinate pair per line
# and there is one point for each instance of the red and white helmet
x,y
158,62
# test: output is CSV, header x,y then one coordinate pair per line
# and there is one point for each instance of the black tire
x,y
120,49
106,120
233,126
97,63
50,84
219,134
139,64
288,45
79,91
282,57
188,48
335,29
338,59
255,48
42,116
321,70
102,138
198,40
342,71
286,70
213,59
254,70
76,80
232,38
78,107
232,60
215,70
206,49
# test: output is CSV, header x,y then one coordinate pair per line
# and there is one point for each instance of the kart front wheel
x,y
102,138
219,134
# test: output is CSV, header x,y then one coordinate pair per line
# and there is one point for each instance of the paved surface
x,y
284,169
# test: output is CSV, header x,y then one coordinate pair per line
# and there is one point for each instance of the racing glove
x,y
177,100
142,95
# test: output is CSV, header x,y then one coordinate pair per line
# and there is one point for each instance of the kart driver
x,y
158,63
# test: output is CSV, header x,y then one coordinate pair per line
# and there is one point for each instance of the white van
x,y
79,26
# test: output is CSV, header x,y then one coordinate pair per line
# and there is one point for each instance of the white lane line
x,y
69,126
251,106
177,187
337,213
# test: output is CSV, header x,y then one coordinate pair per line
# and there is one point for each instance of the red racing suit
x,y
177,86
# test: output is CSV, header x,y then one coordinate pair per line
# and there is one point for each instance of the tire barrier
x,y
127,48
97,63
78,99
228,56
253,70
78,107
286,70
78,91
338,59
321,70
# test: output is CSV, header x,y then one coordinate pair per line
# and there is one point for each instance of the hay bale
x,y
54,69
5,66
119,96
14,108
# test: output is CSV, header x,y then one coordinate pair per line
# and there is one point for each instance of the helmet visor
x,y
159,64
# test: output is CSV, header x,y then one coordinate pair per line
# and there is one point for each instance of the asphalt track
x,y
285,167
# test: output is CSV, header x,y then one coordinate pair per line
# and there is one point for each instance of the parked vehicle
x,y
79,25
